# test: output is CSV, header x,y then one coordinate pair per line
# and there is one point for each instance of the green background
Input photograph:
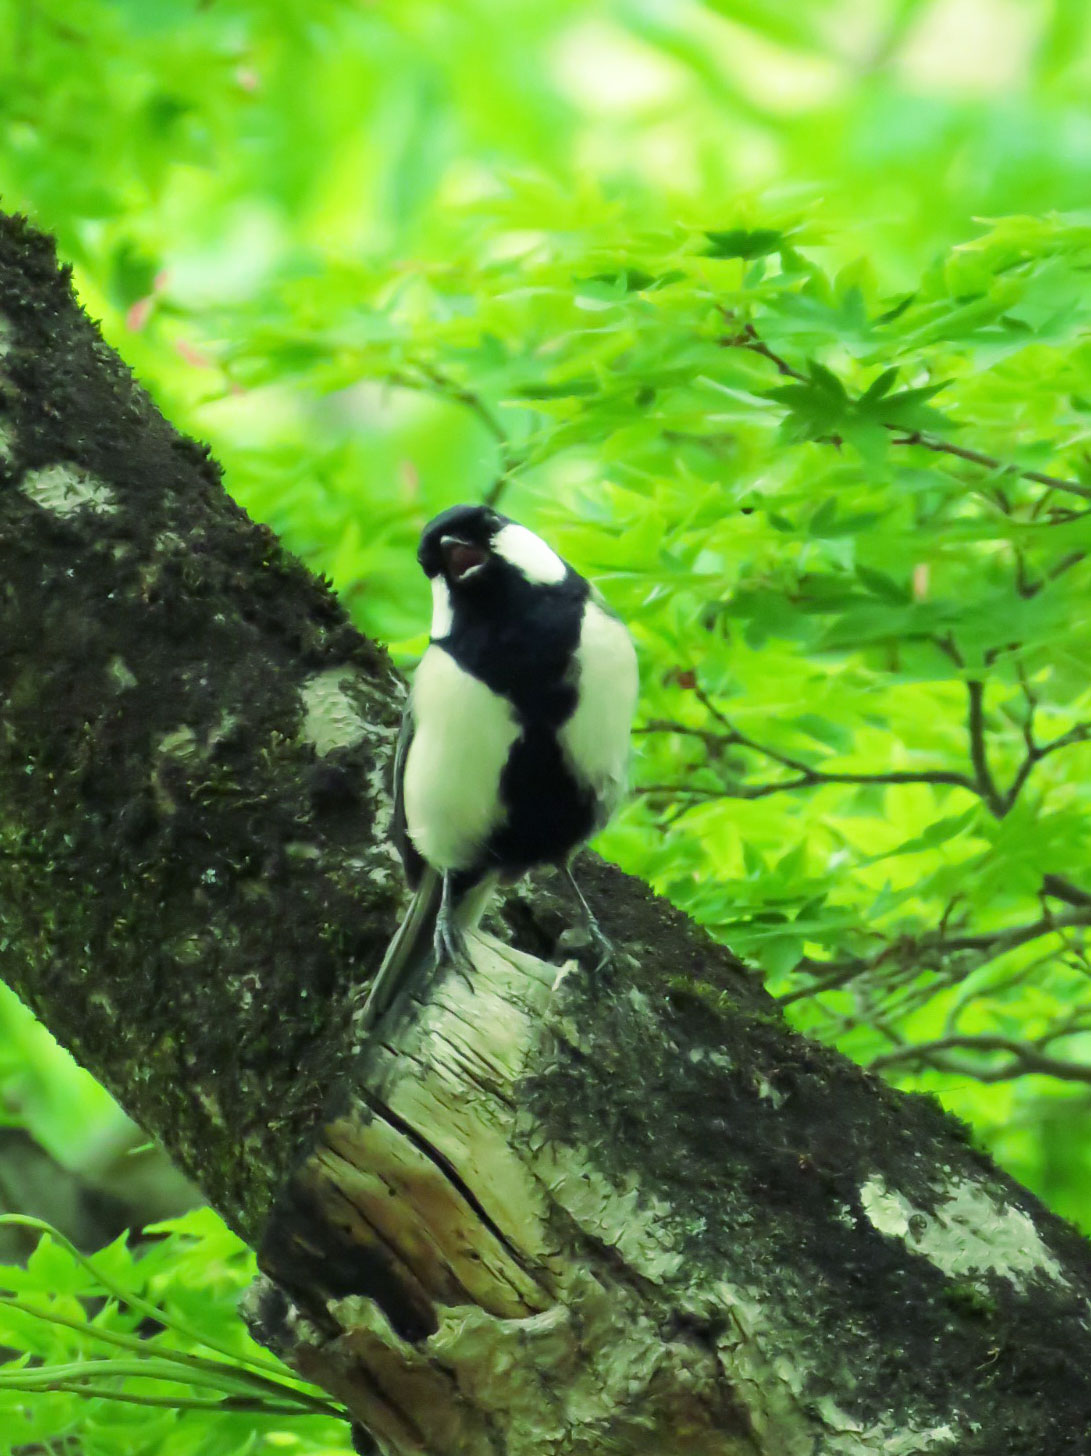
x,y
756,311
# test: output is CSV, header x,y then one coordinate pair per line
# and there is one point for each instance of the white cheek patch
x,y
529,554
442,611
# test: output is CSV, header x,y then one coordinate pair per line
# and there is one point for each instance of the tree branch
x,y
433,380
808,776
1062,889
1081,733
810,780
992,462
982,783
979,758
1026,1058
1028,588
920,951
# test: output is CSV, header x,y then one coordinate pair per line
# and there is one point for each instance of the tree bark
x,y
538,1215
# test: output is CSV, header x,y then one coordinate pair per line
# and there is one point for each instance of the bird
x,y
514,744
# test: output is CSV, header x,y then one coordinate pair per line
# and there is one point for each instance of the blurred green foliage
x,y
144,1352
774,317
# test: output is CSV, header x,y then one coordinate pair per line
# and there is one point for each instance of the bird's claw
x,y
591,947
597,940
450,945
607,955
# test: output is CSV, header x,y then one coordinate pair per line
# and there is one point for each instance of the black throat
x,y
519,638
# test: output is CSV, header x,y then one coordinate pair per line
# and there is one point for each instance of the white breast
x,y
595,739
462,733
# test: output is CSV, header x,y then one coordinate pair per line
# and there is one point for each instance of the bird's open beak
x,y
461,559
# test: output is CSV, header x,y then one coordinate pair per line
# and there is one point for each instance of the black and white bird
x,y
514,745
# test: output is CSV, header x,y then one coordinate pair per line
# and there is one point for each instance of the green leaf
x,y
743,242
827,381
940,832
908,410
882,585
824,730
880,385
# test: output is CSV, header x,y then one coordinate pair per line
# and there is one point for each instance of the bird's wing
x,y
411,860
464,746
410,952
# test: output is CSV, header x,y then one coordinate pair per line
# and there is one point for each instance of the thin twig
x,y
808,776
1025,1058
915,952
807,781
1034,755
949,647
749,338
462,394
1001,803
975,727
990,462
982,783
1028,588
435,381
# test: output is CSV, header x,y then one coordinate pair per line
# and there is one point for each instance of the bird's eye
x,y
462,559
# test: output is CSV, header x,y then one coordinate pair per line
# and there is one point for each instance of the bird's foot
x,y
592,947
596,939
604,949
451,949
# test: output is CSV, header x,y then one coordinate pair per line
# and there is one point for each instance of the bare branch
x,y
919,951
975,727
990,462
1028,588
1062,889
949,647
1025,1058
1034,755
809,780
749,338
807,776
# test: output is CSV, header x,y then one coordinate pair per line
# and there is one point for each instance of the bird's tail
x,y
411,954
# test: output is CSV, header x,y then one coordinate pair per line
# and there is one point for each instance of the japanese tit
x,y
514,744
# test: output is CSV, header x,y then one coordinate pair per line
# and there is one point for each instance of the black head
x,y
458,543
469,547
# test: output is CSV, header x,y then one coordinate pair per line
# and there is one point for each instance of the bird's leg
x,y
603,945
450,943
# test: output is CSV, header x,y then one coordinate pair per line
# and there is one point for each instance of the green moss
x,y
156,914
969,1298
754,1144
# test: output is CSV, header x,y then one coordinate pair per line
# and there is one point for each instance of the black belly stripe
x,y
548,812
521,641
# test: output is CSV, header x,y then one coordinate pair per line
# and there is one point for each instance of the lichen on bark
x,y
188,892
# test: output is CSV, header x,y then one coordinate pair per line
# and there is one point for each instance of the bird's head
x,y
469,551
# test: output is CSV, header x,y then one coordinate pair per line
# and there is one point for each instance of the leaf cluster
x,y
141,1351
